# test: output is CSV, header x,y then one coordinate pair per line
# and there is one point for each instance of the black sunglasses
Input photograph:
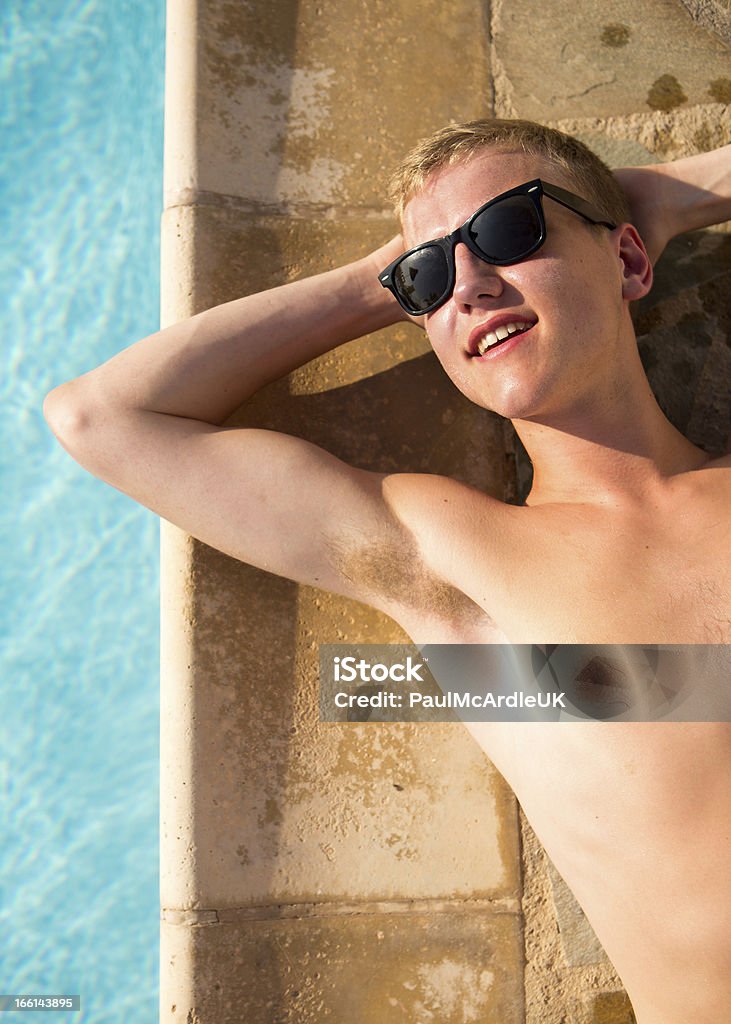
x,y
504,231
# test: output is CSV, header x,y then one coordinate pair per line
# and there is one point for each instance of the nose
x,y
474,279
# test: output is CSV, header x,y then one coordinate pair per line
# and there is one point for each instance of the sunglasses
x,y
504,231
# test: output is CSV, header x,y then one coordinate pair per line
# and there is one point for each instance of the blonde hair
x,y
460,142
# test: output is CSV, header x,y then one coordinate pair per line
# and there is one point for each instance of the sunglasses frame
x,y
535,190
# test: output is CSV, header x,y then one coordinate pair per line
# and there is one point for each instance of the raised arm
x,y
685,195
204,368
148,422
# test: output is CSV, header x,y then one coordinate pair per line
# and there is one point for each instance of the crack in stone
x,y
591,88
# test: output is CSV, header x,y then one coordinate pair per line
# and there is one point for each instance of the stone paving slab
x,y
311,103
291,810
556,60
451,968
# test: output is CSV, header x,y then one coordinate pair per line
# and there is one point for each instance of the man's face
x,y
570,292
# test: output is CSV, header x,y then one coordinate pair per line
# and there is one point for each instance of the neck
x,y
605,452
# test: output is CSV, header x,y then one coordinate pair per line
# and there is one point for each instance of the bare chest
x,y
585,580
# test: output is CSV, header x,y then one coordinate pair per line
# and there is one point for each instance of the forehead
x,y
451,194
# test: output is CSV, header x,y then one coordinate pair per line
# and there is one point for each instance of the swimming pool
x,y
82,82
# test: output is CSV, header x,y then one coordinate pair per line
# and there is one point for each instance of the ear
x,y
635,263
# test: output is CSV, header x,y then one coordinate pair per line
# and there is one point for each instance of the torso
x,y
636,816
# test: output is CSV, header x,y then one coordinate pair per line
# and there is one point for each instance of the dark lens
x,y
422,278
508,230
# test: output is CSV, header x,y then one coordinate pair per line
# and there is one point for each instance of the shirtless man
x,y
641,827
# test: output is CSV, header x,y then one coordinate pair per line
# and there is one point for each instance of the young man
x,y
526,303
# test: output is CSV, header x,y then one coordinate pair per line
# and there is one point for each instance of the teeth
x,y
500,334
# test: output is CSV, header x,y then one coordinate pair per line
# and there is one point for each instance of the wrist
x,y
376,299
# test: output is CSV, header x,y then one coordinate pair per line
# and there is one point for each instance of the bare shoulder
x,y
442,512
713,475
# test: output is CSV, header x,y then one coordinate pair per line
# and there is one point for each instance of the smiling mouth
x,y
494,338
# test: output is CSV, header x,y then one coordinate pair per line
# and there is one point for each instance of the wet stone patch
x,y
615,34
666,93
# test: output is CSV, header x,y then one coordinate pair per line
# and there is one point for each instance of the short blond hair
x,y
459,142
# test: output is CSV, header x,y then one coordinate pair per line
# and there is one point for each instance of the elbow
x,y
89,426
67,416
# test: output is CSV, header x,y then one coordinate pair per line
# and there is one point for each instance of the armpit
x,y
392,569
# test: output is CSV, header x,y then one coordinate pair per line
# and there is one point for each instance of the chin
x,y
514,406
511,399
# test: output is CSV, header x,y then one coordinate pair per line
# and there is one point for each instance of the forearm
x,y
205,367
685,195
701,188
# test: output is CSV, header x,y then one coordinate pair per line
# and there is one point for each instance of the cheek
x,y
439,335
583,301
445,348
451,363
444,352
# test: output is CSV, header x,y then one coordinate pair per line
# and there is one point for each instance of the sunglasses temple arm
x,y
576,204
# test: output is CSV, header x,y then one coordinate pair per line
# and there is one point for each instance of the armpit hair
x,y
393,568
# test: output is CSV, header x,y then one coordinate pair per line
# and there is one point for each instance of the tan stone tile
x,y
312,102
224,250
374,969
288,809
613,59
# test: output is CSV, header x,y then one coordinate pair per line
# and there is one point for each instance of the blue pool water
x,y
81,87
